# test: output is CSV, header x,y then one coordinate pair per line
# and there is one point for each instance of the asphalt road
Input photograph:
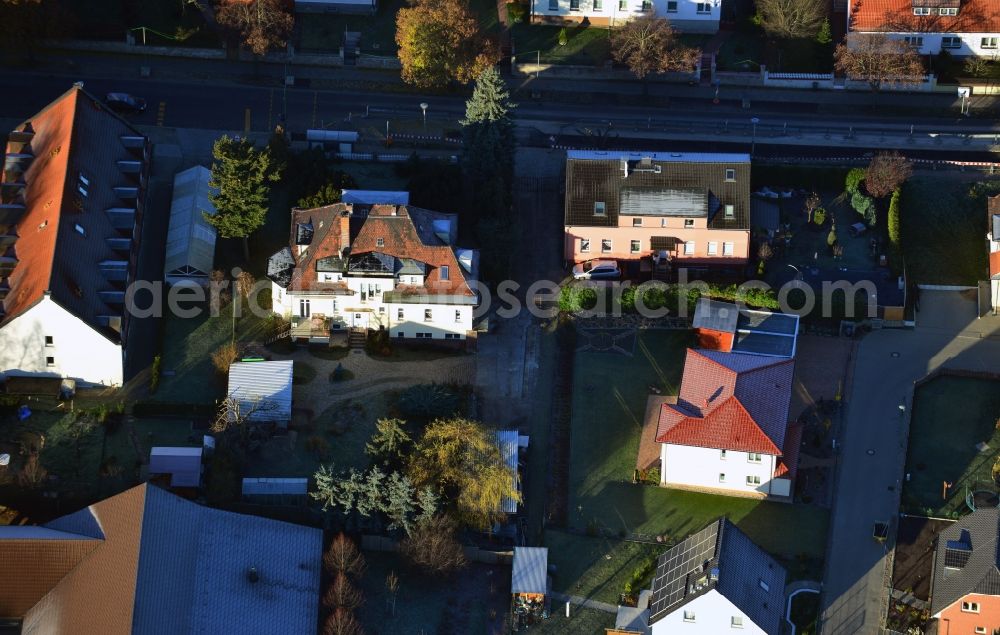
x,y
873,449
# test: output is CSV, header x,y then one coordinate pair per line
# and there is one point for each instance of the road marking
x,y
246,121
161,113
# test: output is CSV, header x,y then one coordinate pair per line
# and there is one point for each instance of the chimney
x,y
252,575
345,232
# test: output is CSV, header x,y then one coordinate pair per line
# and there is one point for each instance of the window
x,y
689,248
553,5
458,316
82,190
663,222
921,11
647,6
968,607
764,585
688,222
48,340
428,316
635,246
445,272
916,41
730,174
704,7
598,5
730,210
948,11
51,361
951,42
381,309
599,208
736,621
980,630
380,242
623,5
722,455
636,222
574,5
452,336
722,477
988,43
584,245
399,314
753,481
713,249
728,249
753,457
688,616
605,245
303,308
671,6
400,334
79,229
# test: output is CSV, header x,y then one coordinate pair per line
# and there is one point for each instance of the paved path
x,y
584,602
873,448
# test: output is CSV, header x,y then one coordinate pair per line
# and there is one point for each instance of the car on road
x,y
124,102
597,270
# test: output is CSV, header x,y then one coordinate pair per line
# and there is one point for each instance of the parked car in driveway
x,y
124,102
597,270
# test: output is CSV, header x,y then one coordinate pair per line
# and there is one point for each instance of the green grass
x,y
303,373
110,19
595,568
943,223
743,51
950,416
808,239
581,621
609,401
538,456
587,46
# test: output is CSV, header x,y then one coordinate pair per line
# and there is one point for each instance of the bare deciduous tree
x,y
342,622
811,204
878,60
342,556
789,19
392,586
224,356
342,594
886,172
432,547
650,45
244,284
764,251
263,24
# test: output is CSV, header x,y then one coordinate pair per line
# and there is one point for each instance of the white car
x,y
597,270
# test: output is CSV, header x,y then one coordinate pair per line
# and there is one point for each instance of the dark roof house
x,y
745,330
967,560
145,561
689,185
720,558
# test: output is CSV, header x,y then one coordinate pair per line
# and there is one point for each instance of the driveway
x,y
873,448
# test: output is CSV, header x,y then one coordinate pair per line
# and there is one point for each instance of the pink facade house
x,y
688,209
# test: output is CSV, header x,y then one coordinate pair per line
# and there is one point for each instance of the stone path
x,y
584,602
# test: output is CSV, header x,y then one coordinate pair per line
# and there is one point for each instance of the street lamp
x,y
753,136
423,108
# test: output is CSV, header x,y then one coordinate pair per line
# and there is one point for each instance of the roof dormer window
x,y
445,272
380,242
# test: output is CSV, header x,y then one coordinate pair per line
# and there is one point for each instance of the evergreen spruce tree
x,y
240,173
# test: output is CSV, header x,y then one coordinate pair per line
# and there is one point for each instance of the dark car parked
x,y
123,102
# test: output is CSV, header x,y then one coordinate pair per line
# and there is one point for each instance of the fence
x,y
473,554
378,61
372,156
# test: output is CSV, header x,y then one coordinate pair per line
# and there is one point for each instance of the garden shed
x,y
190,253
181,465
263,390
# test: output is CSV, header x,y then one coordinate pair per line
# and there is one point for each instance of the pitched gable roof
x,y
730,398
720,557
974,16
967,559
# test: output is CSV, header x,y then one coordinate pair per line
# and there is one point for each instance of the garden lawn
x,y
943,222
950,416
169,22
609,402
586,46
583,566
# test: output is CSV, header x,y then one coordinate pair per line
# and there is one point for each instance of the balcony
x,y
314,328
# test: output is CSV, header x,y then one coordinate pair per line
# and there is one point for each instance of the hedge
x,y
184,410
895,242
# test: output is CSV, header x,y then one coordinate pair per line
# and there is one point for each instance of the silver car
x,y
597,270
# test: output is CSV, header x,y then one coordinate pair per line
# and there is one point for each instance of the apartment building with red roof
x,y
72,190
963,28
373,266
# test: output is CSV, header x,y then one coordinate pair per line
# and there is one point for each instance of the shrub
x,y
378,344
852,182
341,374
224,356
563,36
831,238
302,373
864,205
154,374
515,12
819,216
577,298
423,403
895,244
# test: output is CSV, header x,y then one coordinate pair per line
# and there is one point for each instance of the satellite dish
x,y
4,459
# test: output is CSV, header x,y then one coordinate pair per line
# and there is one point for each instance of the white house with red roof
x,y
375,267
961,27
729,431
993,249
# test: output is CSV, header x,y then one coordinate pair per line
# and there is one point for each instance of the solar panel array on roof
x,y
956,558
717,316
684,571
689,203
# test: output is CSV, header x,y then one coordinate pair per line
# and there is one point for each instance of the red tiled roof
x,y
788,464
974,16
326,242
730,401
728,426
995,264
43,200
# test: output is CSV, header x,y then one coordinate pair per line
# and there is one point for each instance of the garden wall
x,y
473,554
